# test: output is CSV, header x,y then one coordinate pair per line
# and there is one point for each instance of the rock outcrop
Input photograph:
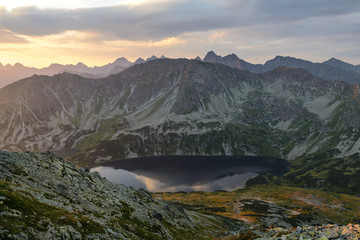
x,y
45,197
324,232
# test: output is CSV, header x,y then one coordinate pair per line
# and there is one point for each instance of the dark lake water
x,y
189,173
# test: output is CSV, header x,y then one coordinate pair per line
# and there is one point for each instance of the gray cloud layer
x,y
158,20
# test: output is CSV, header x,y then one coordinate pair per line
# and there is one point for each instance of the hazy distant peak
x,y
232,57
123,62
153,57
211,53
18,65
163,57
198,58
278,57
80,64
54,64
286,59
212,57
334,62
332,59
139,61
121,59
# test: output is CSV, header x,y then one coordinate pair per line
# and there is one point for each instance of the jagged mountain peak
x,y
211,57
153,57
334,62
232,60
122,61
211,53
333,59
139,61
232,55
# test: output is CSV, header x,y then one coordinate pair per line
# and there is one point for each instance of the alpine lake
x,y
186,173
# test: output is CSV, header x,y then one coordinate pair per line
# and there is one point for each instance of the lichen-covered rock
x,y
323,232
45,197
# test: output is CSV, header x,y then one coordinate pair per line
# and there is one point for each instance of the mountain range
x,y
332,69
9,73
180,106
287,108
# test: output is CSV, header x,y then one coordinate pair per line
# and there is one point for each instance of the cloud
x,y
254,29
10,37
159,20
147,21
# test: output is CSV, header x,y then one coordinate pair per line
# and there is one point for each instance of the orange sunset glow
x,y
96,32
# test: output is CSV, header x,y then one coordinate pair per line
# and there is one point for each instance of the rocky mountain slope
x,y
331,70
325,71
45,197
180,107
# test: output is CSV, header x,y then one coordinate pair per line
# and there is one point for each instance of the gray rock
x,y
93,207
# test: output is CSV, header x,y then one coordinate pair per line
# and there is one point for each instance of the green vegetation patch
x,y
255,204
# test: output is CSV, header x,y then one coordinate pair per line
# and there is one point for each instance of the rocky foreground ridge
x,y
44,197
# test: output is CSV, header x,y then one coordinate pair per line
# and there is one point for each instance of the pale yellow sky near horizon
x,y
70,47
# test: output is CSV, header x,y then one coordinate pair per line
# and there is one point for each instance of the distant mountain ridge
x,y
331,70
232,61
333,62
9,73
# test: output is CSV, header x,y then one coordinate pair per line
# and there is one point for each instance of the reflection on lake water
x,y
189,173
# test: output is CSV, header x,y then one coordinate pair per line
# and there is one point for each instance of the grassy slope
x,y
320,171
296,205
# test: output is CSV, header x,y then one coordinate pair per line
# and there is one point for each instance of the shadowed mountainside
x,y
180,107
331,70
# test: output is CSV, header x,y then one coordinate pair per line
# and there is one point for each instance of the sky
x,y
40,32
